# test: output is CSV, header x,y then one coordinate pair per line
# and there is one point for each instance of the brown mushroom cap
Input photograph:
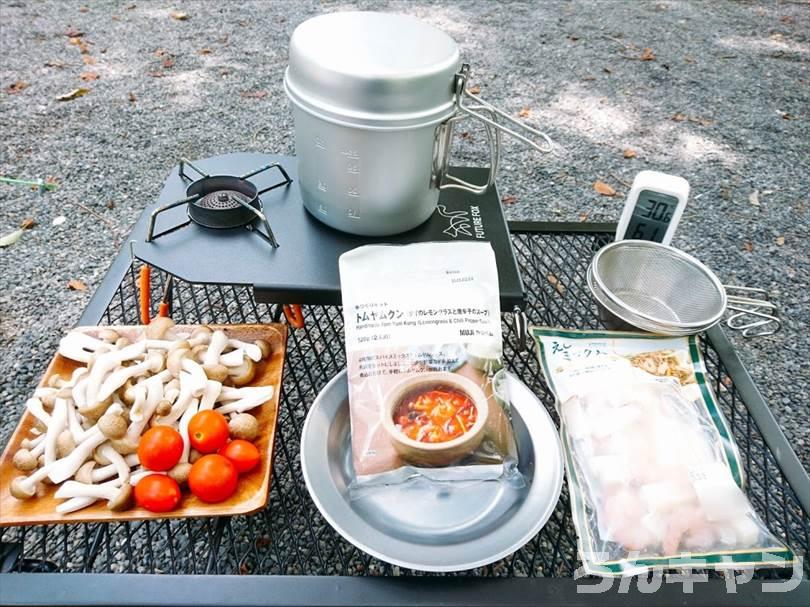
x,y
216,372
158,327
198,352
164,407
122,342
109,335
244,373
194,455
180,472
55,381
20,491
124,446
95,411
174,358
126,393
243,426
265,347
65,444
85,472
113,425
24,460
123,500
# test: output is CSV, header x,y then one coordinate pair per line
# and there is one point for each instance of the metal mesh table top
x,y
290,537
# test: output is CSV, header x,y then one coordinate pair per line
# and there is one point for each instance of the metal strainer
x,y
656,287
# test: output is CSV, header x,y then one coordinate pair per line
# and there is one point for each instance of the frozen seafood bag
x,y
423,348
653,472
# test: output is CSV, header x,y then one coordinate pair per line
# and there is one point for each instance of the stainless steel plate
x,y
462,526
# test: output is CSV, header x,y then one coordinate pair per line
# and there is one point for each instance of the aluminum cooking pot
x,y
375,97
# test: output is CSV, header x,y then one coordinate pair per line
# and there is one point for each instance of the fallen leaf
x,y
204,51
607,70
748,246
753,198
54,63
74,94
628,153
88,60
84,9
780,240
701,121
27,223
725,193
583,216
168,62
474,89
509,199
16,87
689,59
72,32
604,189
74,284
224,71
131,6
647,55
787,19
88,76
678,117
160,52
465,135
58,221
10,238
555,282
132,97
785,115
75,41
110,204
525,112
253,94
179,16
573,38
156,74
51,180
115,18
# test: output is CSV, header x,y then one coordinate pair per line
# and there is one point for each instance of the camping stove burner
x,y
221,202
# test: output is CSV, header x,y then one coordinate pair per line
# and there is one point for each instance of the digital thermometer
x,y
653,208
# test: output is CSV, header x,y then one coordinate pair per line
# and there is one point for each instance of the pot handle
x,y
441,157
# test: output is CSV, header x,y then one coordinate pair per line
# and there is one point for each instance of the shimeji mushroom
x,y
107,363
244,426
81,347
65,443
159,328
184,399
35,408
57,423
201,336
215,348
118,498
184,421
210,395
24,487
252,351
152,364
179,361
243,374
140,473
63,469
89,473
248,402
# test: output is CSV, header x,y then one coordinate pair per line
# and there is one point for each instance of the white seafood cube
x,y
718,494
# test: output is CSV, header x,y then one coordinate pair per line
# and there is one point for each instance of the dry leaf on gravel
x,y
607,70
647,55
54,63
74,94
678,117
583,216
11,238
168,62
132,97
780,240
16,87
179,15
84,9
600,187
629,153
753,198
27,223
204,51
748,246
555,282
474,89
253,94
785,115
509,199
73,32
88,76
525,112
74,284
88,60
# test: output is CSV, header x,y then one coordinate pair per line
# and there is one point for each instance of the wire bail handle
x,y
488,114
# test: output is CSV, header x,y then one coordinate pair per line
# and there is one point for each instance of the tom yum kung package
x,y
423,346
653,472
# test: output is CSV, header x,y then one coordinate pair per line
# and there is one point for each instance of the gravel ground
x,y
724,103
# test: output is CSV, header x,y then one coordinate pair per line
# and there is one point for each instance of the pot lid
x,y
372,69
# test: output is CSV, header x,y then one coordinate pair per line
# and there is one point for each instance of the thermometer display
x,y
653,207
651,216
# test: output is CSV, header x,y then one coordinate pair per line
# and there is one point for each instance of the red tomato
x,y
213,478
160,448
157,493
208,431
243,454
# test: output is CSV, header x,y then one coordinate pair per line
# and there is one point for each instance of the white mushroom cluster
x,y
87,428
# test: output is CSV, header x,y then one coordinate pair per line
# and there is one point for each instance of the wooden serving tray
x,y
254,486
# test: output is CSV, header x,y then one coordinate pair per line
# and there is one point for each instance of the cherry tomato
x,y
160,448
213,478
208,431
243,454
157,493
